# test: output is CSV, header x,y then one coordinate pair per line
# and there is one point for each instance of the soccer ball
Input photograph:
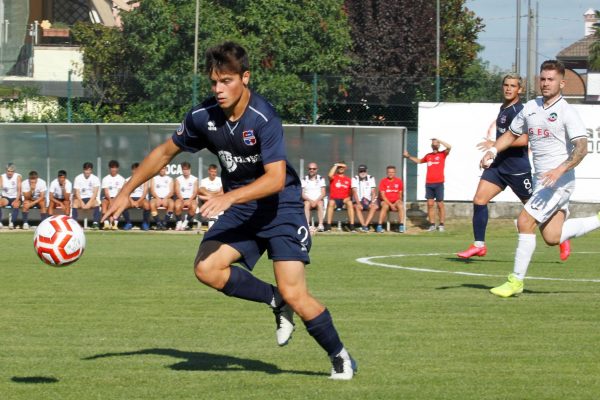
x,y
59,241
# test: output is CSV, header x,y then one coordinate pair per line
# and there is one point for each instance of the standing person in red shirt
x,y
340,193
434,181
391,196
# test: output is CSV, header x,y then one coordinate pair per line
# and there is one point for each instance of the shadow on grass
x,y
200,361
473,259
486,287
34,379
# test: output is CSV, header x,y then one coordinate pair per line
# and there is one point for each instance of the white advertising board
x,y
464,125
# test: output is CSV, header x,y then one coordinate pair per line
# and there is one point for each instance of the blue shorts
x,y
339,203
10,201
521,185
434,191
285,237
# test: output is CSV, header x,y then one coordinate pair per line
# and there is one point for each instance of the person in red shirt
x,y
340,193
434,181
391,197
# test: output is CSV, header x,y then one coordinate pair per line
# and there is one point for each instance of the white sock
x,y
525,249
478,243
576,227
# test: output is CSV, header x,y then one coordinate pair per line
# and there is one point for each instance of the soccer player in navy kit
x,y
262,203
510,168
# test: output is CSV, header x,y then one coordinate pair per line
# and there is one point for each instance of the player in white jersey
x,y
364,196
111,185
558,142
210,187
313,194
34,196
10,195
86,187
162,190
138,199
186,191
60,191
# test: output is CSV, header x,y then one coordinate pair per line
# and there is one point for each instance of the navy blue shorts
x,y
285,237
434,191
10,201
521,185
339,203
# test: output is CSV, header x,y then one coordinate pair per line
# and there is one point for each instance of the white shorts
x,y
546,201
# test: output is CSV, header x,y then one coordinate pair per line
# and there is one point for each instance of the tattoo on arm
x,y
578,153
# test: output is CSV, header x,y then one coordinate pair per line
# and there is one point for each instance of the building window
x,y
70,11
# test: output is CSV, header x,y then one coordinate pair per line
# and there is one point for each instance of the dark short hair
x,y
62,172
553,65
186,165
390,167
212,166
33,174
88,165
135,165
113,164
227,57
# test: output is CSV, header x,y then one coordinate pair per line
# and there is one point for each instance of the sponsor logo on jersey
x,y
249,138
552,117
180,129
211,126
231,162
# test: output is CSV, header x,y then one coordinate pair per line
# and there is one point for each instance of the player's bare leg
x,y
291,281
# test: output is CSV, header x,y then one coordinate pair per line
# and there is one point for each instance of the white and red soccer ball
x,y
59,241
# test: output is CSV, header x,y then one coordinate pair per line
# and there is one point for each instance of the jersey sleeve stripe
x,y
259,113
578,137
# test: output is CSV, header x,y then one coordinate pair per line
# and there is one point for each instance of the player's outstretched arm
x,y
150,166
273,181
503,143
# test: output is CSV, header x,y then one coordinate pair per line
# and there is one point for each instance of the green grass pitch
x,y
130,321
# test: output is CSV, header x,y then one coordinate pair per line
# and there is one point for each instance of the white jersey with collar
x,y
364,186
57,191
162,185
312,187
186,186
551,131
85,185
36,192
113,184
10,186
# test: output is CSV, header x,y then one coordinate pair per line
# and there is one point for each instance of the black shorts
x,y
10,201
285,237
521,185
434,191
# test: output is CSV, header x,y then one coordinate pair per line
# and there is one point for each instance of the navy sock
x,y
322,330
25,216
243,285
126,216
146,216
14,215
0,214
74,213
43,216
97,214
480,220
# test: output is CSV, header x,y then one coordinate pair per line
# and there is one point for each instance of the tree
x,y
287,42
594,57
395,46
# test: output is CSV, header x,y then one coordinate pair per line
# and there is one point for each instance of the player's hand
x,y
116,208
405,154
485,145
487,160
215,206
549,178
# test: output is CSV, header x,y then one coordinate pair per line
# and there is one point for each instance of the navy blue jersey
x,y
514,160
243,148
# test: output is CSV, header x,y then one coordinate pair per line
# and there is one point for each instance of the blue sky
x,y
560,24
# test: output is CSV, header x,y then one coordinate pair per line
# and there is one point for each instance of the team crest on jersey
x,y
211,126
552,117
180,129
249,138
503,119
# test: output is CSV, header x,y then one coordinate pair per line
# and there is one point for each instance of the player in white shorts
x,y
210,187
558,142
111,185
60,193
138,199
162,189
186,190
34,196
10,193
